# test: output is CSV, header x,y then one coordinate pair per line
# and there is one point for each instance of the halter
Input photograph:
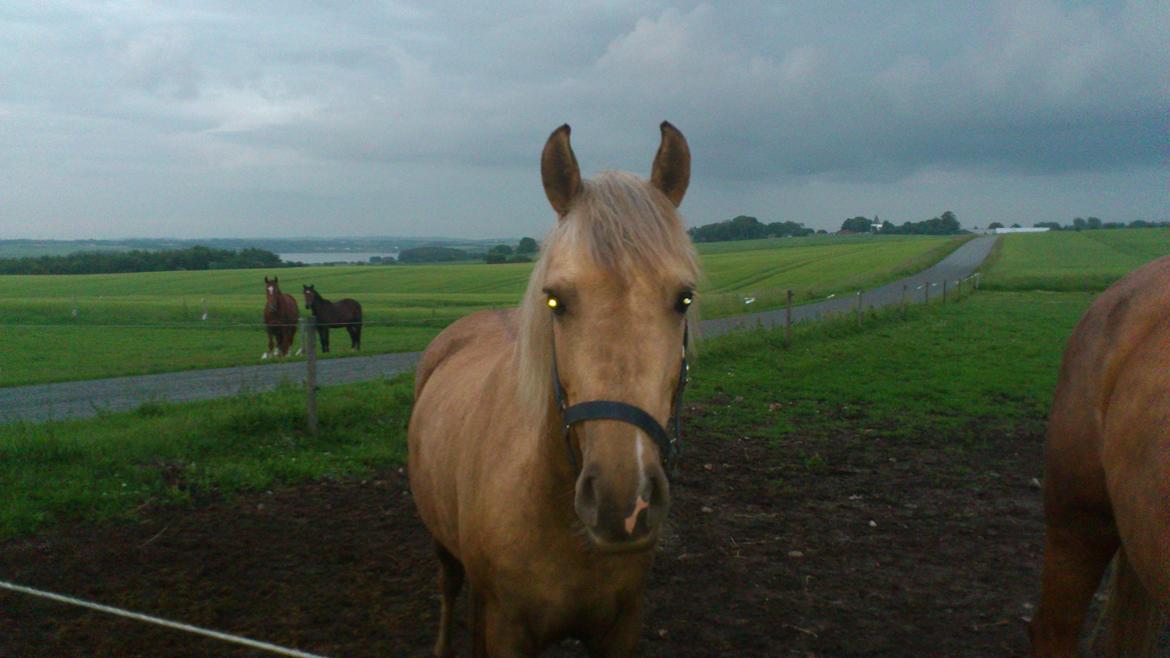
x,y
669,444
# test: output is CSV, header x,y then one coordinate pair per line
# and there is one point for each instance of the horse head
x,y
616,282
310,295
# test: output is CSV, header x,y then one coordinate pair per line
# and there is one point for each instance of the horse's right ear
x,y
559,171
671,172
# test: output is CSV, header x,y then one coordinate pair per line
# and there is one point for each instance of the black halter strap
x,y
669,444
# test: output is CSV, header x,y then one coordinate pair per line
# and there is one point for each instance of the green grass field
x,y
990,360
59,328
1072,260
987,363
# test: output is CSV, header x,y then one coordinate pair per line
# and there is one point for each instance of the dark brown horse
x,y
1107,472
555,530
280,316
345,313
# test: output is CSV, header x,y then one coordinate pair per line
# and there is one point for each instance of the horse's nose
x,y
618,516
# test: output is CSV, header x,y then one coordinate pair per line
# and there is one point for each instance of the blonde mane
x,y
627,227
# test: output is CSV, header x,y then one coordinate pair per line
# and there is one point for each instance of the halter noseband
x,y
668,443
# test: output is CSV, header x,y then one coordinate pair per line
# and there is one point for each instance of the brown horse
x,y
550,550
1107,479
280,315
345,313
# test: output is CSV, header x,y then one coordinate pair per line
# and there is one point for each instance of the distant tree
x,y
1079,224
1140,223
432,255
492,258
888,227
1016,226
995,225
501,249
520,258
822,231
1113,225
857,225
1054,226
527,246
1093,223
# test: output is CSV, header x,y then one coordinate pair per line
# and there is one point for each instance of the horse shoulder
x,y
482,330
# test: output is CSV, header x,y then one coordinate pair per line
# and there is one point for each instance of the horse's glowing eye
x,y
684,302
555,304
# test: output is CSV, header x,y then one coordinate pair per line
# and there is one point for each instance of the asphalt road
x,y
88,398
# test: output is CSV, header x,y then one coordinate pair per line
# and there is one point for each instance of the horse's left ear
x,y
671,172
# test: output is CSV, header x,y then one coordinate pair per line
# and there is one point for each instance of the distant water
x,y
335,257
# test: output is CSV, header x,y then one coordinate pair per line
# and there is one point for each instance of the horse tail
x,y
1134,620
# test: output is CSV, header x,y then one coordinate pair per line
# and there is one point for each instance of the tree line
x,y
944,224
112,262
1088,224
744,227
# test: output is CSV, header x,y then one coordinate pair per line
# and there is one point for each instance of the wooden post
x,y
309,330
944,291
978,276
903,301
859,308
788,319
925,292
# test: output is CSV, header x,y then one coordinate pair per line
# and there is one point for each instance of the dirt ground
x,y
817,546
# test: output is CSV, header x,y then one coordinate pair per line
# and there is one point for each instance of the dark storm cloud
x,y
182,108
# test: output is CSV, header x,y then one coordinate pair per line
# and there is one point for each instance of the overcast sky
x,y
205,119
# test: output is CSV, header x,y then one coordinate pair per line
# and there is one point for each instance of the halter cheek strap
x,y
668,443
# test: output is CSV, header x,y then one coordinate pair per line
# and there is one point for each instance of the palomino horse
x,y
1107,479
280,315
345,313
537,452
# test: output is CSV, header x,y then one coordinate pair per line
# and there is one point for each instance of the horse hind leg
x,y
451,577
1075,557
355,336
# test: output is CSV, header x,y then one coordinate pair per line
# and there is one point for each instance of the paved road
x,y
88,398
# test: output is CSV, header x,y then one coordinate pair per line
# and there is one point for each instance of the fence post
x,y
978,275
859,308
309,331
788,319
903,301
944,299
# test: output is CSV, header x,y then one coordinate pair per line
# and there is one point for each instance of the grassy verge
x,y
165,454
1072,260
990,360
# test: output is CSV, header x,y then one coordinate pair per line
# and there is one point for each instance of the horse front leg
x,y
271,342
621,638
502,634
323,332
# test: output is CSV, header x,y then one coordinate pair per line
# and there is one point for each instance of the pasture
x,y
1072,260
131,324
864,491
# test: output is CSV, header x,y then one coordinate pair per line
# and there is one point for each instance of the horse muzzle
x,y
622,512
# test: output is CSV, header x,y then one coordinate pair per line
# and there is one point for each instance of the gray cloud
x,y
424,118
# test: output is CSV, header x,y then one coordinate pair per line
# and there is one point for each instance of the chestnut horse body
x,y
280,316
1107,471
555,530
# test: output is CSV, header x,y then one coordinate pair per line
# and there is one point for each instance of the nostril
x,y
586,502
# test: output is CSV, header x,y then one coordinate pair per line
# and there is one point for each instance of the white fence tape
x,y
158,621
